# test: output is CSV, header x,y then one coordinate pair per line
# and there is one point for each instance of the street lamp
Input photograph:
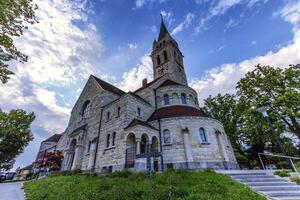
x,y
264,110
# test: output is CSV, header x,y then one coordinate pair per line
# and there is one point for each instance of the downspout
x,y
97,143
159,129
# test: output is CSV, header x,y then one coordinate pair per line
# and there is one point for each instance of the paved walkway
x,y
11,191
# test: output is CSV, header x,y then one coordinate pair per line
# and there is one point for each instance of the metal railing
x,y
280,156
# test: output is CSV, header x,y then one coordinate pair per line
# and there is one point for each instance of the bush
x,y
295,179
181,184
282,173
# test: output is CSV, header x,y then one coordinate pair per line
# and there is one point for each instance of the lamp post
x,y
264,110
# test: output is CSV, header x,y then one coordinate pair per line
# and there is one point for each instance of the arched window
x,y
202,135
165,56
107,116
166,99
113,138
118,111
183,98
107,140
167,136
139,111
196,101
158,59
85,110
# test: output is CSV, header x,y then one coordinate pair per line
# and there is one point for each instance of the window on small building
x,y
202,135
85,110
107,140
183,98
165,56
113,138
196,101
89,146
158,59
167,136
166,99
107,116
118,111
139,111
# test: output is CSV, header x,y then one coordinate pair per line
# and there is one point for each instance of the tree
x,y
14,16
247,130
15,134
278,88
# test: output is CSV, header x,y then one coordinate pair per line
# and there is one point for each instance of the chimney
x,y
144,82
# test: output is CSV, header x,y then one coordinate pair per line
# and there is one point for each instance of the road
x,y
11,191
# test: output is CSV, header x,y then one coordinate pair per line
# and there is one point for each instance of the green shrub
x,y
296,179
177,184
282,173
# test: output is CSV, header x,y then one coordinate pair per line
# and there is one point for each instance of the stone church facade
x,y
111,130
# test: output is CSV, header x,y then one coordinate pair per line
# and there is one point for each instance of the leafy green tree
x,y
15,134
14,16
277,87
248,131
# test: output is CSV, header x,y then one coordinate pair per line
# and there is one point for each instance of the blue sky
x,y
221,40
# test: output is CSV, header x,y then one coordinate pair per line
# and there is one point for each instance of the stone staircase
x,y
267,184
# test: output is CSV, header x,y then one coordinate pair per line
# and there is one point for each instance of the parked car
x,y
2,177
10,175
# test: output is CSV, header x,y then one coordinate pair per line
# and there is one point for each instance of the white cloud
x,y
185,24
217,9
253,42
55,54
222,6
142,3
61,55
132,45
132,79
230,24
223,79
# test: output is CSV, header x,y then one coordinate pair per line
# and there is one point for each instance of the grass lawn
x,y
124,185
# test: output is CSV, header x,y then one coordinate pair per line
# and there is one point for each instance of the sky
x,y
220,39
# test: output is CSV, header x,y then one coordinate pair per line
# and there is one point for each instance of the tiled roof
x,y
149,84
169,82
53,138
137,96
163,30
109,87
135,122
29,167
176,111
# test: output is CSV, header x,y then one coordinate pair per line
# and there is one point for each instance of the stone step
x,y
277,188
261,180
278,183
247,174
286,198
252,176
282,193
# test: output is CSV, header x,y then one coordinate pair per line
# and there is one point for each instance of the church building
x,y
112,130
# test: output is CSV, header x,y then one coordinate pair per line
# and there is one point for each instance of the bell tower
x,y
167,58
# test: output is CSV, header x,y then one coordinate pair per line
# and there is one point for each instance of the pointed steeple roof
x,y
163,30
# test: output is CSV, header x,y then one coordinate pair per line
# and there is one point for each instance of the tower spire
x,y
163,30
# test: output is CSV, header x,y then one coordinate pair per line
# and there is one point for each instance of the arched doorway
x,y
72,153
130,151
154,148
144,141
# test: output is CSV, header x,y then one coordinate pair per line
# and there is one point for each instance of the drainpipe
x,y
159,129
97,143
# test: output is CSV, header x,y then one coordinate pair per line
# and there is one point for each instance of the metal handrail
x,y
281,156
